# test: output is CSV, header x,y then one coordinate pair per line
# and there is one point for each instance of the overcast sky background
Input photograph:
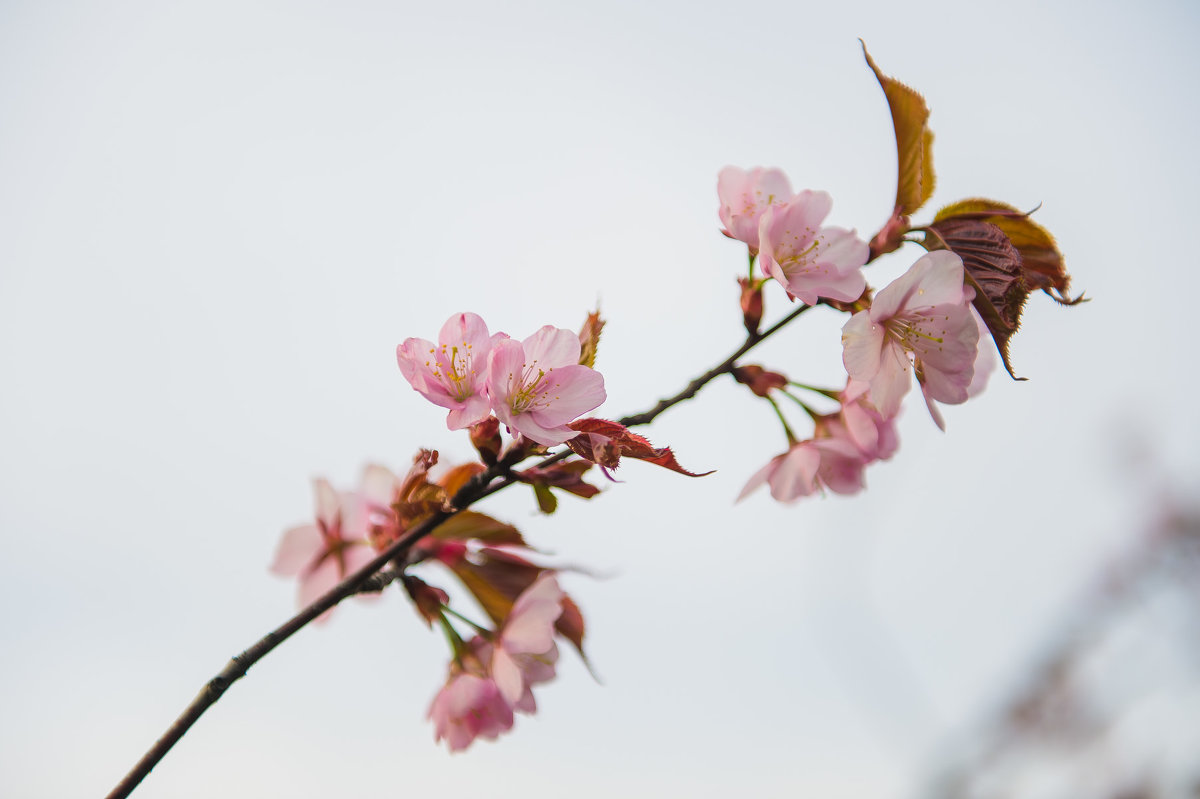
x,y
218,219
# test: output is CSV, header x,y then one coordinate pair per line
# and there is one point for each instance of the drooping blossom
x,y
322,554
811,261
858,421
920,323
807,466
538,385
524,652
985,364
469,706
744,196
453,372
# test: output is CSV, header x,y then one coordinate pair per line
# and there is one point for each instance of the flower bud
x,y
752,304
485,436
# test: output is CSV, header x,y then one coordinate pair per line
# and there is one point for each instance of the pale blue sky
x,y
218,219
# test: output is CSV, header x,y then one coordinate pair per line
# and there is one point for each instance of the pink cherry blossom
x,y
858,421
744,196
325,553
524,653
538,385
808,466
921,321
985,364
469,707
811,261
452,373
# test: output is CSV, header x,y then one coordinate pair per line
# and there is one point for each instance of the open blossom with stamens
x,y
811,261
744,196
537,385
453,372
324,553
920,323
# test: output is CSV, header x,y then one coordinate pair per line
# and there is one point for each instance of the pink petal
x,y
317,582
862,346
467,330
760,477
475,409
550,348
299,547
328,504
527,425
572,391
507,675
379,484
797,473
892,381
506,368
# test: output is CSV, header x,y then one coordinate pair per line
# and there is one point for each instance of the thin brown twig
x,y
486,483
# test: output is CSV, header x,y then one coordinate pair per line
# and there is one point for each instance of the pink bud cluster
x,y
535,386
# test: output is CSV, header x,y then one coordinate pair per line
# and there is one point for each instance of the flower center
x,y
530,391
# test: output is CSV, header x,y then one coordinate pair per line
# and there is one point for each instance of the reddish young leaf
x,y
604,442
914,141
1042,265
589,339
993,266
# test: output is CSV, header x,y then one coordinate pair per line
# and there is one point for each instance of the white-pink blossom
x,y
453,372
324,553
744,196
808,466
469,707
538,385
920,323
809,260
524,652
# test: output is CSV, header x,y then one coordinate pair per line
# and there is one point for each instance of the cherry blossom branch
x,y
724,367
492,479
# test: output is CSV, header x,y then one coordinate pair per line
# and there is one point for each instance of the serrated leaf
x,y
914,141
468,524
1042,265
604,442
993,266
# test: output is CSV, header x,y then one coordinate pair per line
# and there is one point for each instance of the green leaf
x,y
547,502
914,141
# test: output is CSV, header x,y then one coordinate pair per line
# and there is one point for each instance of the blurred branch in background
x,y
1111,709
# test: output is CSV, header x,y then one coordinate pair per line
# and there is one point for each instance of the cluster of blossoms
x,y
533,386
921,324
982,259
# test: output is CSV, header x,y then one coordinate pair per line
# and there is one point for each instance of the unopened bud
x,y
752,304
758,379
485,436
